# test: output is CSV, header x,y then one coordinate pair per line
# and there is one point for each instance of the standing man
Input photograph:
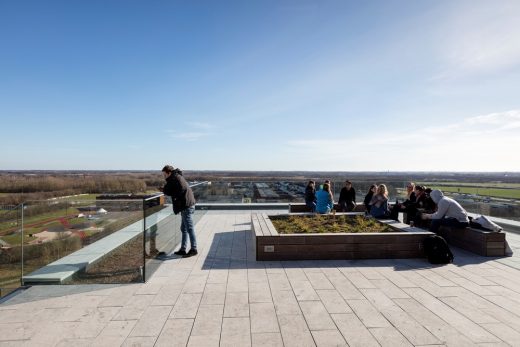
x,y
347,197
184,202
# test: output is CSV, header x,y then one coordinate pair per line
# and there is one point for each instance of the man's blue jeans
x,y
187,228
450,222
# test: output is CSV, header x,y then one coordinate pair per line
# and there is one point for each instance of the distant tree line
x,y
23,187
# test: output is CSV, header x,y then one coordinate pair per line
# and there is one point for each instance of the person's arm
x,y
168,188
177,188
341,195
354,195
442,208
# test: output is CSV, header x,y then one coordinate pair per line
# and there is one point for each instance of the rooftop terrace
x,y
224,297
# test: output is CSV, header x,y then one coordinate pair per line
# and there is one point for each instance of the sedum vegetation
x,y
327,224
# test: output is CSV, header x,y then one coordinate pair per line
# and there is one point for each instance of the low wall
x,y
481,242
405,242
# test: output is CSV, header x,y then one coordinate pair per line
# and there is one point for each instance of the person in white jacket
x,y
449,213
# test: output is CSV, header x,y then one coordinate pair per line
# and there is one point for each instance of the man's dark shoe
x,y
191,253
180,252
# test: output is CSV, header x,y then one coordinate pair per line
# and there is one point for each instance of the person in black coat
x,y
409,202
183,202
368,197
310,196
347,197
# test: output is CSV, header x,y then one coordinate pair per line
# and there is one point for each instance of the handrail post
x,y
143,273
21,276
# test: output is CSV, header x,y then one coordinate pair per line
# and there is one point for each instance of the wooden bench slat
x,y
270,225
256,225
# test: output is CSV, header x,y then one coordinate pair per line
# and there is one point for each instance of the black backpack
x,y
437,250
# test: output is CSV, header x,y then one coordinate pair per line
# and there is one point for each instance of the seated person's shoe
x,y
191,253
180,252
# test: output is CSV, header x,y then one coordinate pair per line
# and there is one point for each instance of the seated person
x,y
449,213
324,202
330,188
379,203
310,196
422,203
410,200
429,205
371,191
347,198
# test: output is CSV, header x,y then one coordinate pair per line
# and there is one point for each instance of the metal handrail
x,y
191,186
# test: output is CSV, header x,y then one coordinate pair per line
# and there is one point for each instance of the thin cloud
x,y
479,37
200,125
189,136
200,130
475,143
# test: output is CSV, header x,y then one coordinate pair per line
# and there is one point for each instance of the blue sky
x,y
260,85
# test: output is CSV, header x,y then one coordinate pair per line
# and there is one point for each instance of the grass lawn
x,y
40,218
470,184
492,192
327,224
14,239
81,198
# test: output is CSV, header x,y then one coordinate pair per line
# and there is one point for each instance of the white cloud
x,y
479,37
189,136
195,131
481,143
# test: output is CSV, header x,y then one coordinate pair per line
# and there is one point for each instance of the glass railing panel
x,y
290,191
163,231
243,192
11,234
84,241
500,201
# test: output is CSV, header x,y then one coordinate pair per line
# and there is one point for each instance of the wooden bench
x,y
481,242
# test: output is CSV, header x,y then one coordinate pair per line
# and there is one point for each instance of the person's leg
x,y
184,233
410,214
394,213
435,224
350,206
342,206
449,222
454,223
188,221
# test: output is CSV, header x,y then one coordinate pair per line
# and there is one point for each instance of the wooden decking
x,y
224,297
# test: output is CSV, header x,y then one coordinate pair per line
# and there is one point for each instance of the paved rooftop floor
x,y
224,297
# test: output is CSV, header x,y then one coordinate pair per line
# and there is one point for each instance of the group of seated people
x,y
422,206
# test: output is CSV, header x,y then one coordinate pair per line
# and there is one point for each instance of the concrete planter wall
x,y
405,242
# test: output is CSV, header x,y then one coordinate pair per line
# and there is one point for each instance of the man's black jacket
x,y
347,195
181,193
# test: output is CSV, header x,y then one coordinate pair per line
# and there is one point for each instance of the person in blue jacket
x,y
324,202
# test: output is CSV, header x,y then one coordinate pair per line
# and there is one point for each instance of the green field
x,y
14,239
81,198
474,184
491,192
38,219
